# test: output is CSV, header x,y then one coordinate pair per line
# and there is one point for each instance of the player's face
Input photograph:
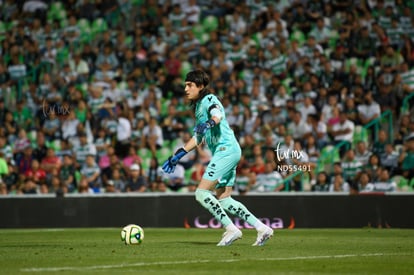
x,y
191,90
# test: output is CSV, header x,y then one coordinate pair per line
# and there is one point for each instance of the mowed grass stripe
x,y
73,268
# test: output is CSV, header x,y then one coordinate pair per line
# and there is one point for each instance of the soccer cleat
x,y
263,236
229,237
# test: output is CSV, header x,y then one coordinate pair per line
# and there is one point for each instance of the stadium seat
x,y
84,25
173,144
99,25
360,134
62,55
145,164
298,35
185,68
210,23
411,184
329,155
402,183
163,153
77,176
164,106
3,30
137,2
333,37
32,137
187,175
256,39
85,30
287,82
145,155
56,11
198,31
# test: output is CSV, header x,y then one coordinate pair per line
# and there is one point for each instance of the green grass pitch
x,y
194,251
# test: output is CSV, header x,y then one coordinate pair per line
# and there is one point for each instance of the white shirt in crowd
x,y
348,124
123,129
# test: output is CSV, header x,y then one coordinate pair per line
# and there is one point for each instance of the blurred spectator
x,y
12,178
36,173
84,188
102,142
82,150
5,149
90,171
269,180
24,161
378,146
339,185
384,183
176,180
312,149
373,166
51,127
67,173
297,128
69,126
152,137
131,158
351,166
79,67
343,131
364,46
154,174
21,143
257,166
105,159
40,148
28,187
123,135
362,154
363,183
322,183
136,181
171,124
389,158
317,130
245,179
407,158
3,188
117,182
10,128
106,63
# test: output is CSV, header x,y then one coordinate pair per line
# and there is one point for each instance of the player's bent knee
x,y
200,194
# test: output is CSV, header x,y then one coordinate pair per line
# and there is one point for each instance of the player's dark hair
x,y
199,77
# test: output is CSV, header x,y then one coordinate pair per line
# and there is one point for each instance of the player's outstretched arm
x,y
171,162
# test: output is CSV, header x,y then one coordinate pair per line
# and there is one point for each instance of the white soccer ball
x,y
132,234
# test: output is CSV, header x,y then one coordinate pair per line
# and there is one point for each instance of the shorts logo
x,y
210,174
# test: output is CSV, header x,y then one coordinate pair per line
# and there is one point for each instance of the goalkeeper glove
x,y
202,128
171,162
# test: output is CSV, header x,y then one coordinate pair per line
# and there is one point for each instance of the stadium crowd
x,y
91,93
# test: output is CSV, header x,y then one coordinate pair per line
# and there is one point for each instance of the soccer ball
x,y
132,234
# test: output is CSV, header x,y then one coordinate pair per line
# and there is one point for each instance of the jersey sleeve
x,y
213,107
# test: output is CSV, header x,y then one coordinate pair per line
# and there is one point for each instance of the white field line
x,y
97,267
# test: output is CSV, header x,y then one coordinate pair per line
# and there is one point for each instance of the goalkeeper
x,y
213,129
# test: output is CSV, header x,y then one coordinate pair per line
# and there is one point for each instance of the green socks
x,y
238,209
209,202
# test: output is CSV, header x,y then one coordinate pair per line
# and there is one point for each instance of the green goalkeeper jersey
x,y
220,136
